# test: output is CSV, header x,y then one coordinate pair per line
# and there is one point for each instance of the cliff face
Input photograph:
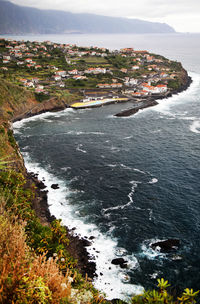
x,y
14,100
17,103
50,105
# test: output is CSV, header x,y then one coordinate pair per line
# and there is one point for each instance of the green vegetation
x,y
119,61
162,296
174,84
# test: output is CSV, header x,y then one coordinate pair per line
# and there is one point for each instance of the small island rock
x,y
166,245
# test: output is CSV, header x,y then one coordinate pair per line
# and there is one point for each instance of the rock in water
x,y
120,261
54,186
167,245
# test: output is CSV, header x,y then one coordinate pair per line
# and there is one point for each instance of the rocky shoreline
x,y
77,247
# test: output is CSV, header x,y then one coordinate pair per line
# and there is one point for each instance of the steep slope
x,y
15,19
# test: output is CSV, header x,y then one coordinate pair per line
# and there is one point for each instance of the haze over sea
x,y
126,181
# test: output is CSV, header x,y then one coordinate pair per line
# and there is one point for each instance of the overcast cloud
x,y
183,15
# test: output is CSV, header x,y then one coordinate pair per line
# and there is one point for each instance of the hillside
x,y
16,19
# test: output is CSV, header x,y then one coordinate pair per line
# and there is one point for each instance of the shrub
x,y
162,296
26,278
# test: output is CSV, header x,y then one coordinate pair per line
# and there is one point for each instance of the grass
x,y
92,60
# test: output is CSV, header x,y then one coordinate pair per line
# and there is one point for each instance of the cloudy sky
x,y
183,15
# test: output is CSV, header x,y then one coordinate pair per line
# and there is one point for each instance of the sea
x,y
128,182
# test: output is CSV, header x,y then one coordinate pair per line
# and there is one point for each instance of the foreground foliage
x,y
162,296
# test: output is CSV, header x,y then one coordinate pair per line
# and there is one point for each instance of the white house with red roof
x,y
61,73
73,72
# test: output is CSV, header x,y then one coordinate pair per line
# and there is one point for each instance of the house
x,y
141,52
29,84
112,85
148,88
79,77
6,57
124,70
139,93
57,78
163,74
35,80
18,55
116,85
149,58
5,61
135,67
133,81
29,60
162,88
95,71
23,80
73,72
103,85
38,66
61,73
127,50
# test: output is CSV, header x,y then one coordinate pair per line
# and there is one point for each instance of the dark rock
x,y
55,186
119,261
101,273
91,238
86,243
41,185
134,110
167,245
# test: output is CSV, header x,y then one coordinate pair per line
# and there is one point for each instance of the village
x,y
89,73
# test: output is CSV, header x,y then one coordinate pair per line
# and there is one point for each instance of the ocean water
x,y
127,181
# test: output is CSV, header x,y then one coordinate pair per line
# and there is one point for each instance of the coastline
x,y
152,101
78,246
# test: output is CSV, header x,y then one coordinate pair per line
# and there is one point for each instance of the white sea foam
x,y
150,214
164,105
79,148
130,199
44,116
111,278
119,165
138,170
82,133
153,181
128,137
195,127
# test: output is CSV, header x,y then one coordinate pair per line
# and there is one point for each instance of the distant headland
x,y
17,20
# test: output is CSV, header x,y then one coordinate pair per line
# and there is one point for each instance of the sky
x,y
182,15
